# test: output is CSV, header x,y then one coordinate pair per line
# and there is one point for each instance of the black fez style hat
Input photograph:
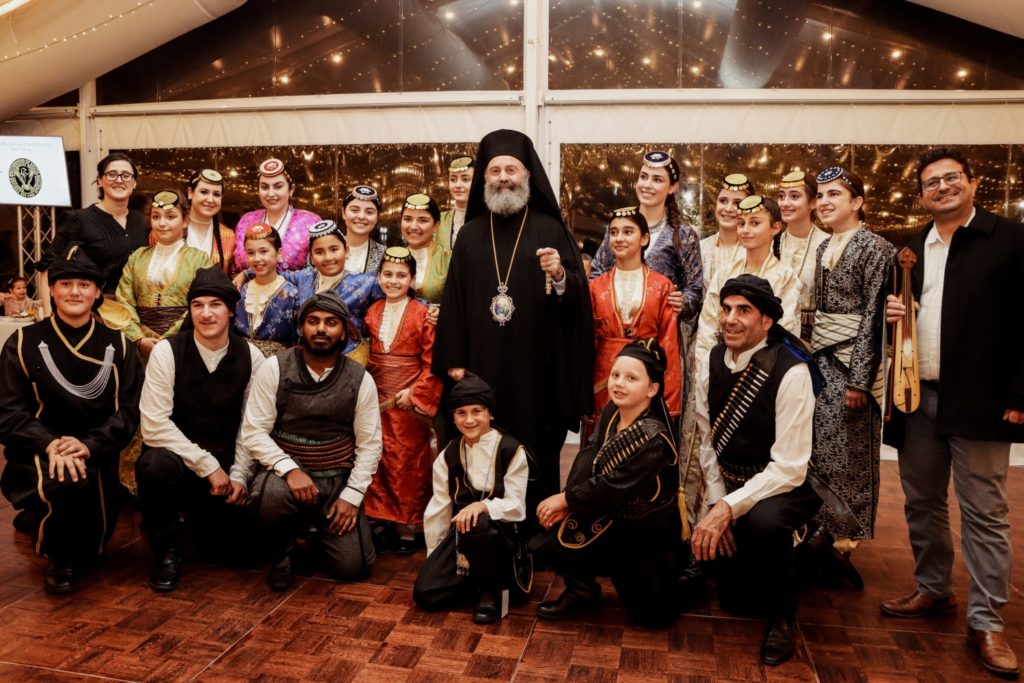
x,y
74,264
757,291
469,391
328,302
650,353
212,281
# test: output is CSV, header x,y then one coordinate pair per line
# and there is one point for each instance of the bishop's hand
x,y
551,263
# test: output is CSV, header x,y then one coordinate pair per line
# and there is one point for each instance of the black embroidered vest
x,y
749,447
459,487
208,405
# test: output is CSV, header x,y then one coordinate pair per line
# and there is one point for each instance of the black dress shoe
x,y
570,604
778,642
60,579
282,574
409,546
488,608
166,571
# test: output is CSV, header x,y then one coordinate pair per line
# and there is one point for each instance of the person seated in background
x,y
193,473
17,302
618,514
475,549
312,420
755,406
69,393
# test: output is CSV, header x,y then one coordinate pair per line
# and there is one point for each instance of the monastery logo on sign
x,y
25,177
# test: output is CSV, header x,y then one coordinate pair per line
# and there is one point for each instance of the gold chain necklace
x,y
502,306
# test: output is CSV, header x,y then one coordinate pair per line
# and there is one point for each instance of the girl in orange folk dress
x,y
401,344
630,301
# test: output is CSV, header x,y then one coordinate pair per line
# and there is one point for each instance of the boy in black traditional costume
x,y
69,394
618,516
471,523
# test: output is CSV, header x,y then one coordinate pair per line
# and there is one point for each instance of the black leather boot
x,y
60,578
166,569
778,645
488,607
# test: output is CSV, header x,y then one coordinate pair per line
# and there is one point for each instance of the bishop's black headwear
x,y
514,144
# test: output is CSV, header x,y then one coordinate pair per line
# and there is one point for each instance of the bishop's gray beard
x,y
506,202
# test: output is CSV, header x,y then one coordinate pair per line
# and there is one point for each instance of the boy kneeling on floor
x,y
471,523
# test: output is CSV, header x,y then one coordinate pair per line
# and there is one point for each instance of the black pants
x,y
488,549
641,557
76,519
759,579
169,490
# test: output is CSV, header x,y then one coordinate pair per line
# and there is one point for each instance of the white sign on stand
x,y
33,171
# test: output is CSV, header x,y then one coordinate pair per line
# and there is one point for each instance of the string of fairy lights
x,y
110,25
295,48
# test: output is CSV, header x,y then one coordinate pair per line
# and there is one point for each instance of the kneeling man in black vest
x,y
756,410
313,421
193,465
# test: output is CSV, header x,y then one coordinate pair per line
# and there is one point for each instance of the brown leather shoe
x,y
917,604
995,653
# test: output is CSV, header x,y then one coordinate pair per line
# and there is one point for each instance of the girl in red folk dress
x,y
401,343
630,301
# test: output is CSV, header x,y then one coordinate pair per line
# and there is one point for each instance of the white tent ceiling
x,y
48,47
1002,15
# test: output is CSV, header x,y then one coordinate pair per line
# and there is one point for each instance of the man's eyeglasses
x,y
123,176
951,178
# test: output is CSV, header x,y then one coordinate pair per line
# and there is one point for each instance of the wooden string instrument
x,y
905,373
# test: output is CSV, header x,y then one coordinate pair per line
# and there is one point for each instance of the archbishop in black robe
x,y
540,361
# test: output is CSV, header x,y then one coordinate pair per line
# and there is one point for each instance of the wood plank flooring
x,y
225,625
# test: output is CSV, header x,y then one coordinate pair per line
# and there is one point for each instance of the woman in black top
x,y
108,230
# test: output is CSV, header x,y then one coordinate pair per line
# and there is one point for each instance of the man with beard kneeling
x,y
312,420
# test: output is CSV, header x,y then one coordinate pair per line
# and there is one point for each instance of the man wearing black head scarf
x,y
193,462
755,406
516,308
312,420
69,395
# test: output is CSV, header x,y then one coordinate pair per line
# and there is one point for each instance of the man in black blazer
x,y
967,281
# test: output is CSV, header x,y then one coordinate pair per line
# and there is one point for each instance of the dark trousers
x,y
349,556
170,491
76,518
489,552
758,579
641,557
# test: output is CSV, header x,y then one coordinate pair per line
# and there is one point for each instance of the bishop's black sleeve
x,y
452,324
119,429
21,432
603,494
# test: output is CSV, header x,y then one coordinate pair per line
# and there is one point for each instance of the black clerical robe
x,y
540,362
56,380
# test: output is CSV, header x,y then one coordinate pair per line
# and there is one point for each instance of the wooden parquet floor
x,y
225,625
